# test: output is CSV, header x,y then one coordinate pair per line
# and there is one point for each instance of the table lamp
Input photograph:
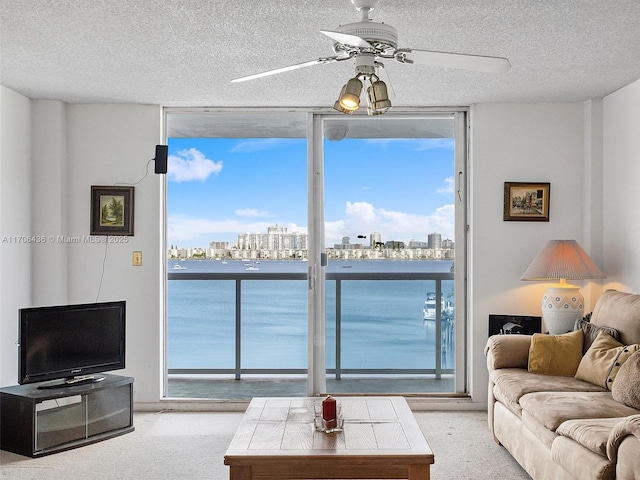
x,y
562,303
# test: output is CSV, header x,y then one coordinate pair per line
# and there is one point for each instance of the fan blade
x,y
347,39
454,60
319,61
384,76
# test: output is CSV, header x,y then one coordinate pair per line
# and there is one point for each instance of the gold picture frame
x,y
526,201
112,210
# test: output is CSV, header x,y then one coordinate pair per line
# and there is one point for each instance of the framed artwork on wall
x,y
111,210
514,324
526,202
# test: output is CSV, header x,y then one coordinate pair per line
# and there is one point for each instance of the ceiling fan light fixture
x,y
338,105
350,95
378,97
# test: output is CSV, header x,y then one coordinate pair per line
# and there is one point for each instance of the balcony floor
x,y
247,388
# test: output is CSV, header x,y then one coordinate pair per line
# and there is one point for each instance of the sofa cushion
x,y
626,387
545,436
603,360
581,462
553,408
591,331
513,383
499,395
555,354
592,433
621,311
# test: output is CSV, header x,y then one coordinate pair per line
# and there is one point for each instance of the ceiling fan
x,y
369,43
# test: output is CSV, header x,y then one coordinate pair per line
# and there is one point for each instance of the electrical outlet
x,y
137,259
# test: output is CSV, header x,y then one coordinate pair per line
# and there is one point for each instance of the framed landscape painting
x,y
526,202
111,210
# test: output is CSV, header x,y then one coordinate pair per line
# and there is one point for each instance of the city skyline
x,y
366,241
218,188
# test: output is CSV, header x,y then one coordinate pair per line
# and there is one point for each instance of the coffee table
x,y
277,439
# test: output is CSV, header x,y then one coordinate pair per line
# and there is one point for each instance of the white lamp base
x,y
561,307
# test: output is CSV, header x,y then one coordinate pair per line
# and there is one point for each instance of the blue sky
x,y
217,188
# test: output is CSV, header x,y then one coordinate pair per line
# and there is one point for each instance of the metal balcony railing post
x,y
238,366
338,328
438,341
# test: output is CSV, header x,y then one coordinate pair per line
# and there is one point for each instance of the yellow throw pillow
x,y
603,360
555,354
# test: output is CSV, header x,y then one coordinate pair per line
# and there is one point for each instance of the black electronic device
x,y
510,324
162,152
67,344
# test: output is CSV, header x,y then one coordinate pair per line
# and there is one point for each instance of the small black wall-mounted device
x,y
161,158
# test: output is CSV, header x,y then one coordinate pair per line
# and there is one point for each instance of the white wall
x,y
74,147
49,196
15,224
107,145
517,143
621,184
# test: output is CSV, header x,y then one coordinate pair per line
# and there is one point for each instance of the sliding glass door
x,y
390,240
312,253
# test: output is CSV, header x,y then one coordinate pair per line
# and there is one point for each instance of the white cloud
x,y
189,232
251,212
449,186
191,164
362,218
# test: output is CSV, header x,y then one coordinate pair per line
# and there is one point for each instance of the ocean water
x,y
382,324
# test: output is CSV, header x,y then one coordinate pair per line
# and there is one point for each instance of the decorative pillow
x,y
591,332
626,387
555,354
603,360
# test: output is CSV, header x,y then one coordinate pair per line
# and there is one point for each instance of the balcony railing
x,y
443,327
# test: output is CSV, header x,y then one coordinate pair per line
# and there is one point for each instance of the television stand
x,y
63,382
38,422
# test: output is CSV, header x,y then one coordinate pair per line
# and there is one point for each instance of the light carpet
x,y
191,446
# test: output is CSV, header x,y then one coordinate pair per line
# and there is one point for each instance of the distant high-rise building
x,y
417,244
434,240
276,238
219,245
374,239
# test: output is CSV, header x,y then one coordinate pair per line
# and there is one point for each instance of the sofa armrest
x,y
507,351
630,426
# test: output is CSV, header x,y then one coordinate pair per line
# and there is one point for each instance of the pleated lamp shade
x,y
562,259
562,303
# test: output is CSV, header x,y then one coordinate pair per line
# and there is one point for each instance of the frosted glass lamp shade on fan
x,y
562,303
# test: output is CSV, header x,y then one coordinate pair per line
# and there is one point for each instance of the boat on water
x,y
430,308
251,268
179,267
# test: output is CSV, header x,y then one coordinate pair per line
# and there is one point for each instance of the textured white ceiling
x,y
185,52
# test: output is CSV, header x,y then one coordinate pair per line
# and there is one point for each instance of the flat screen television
x,y
67,344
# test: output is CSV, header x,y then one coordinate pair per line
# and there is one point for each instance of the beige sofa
x,y
562,427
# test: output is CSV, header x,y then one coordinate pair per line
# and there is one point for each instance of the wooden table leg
x,y
239,473
419,472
